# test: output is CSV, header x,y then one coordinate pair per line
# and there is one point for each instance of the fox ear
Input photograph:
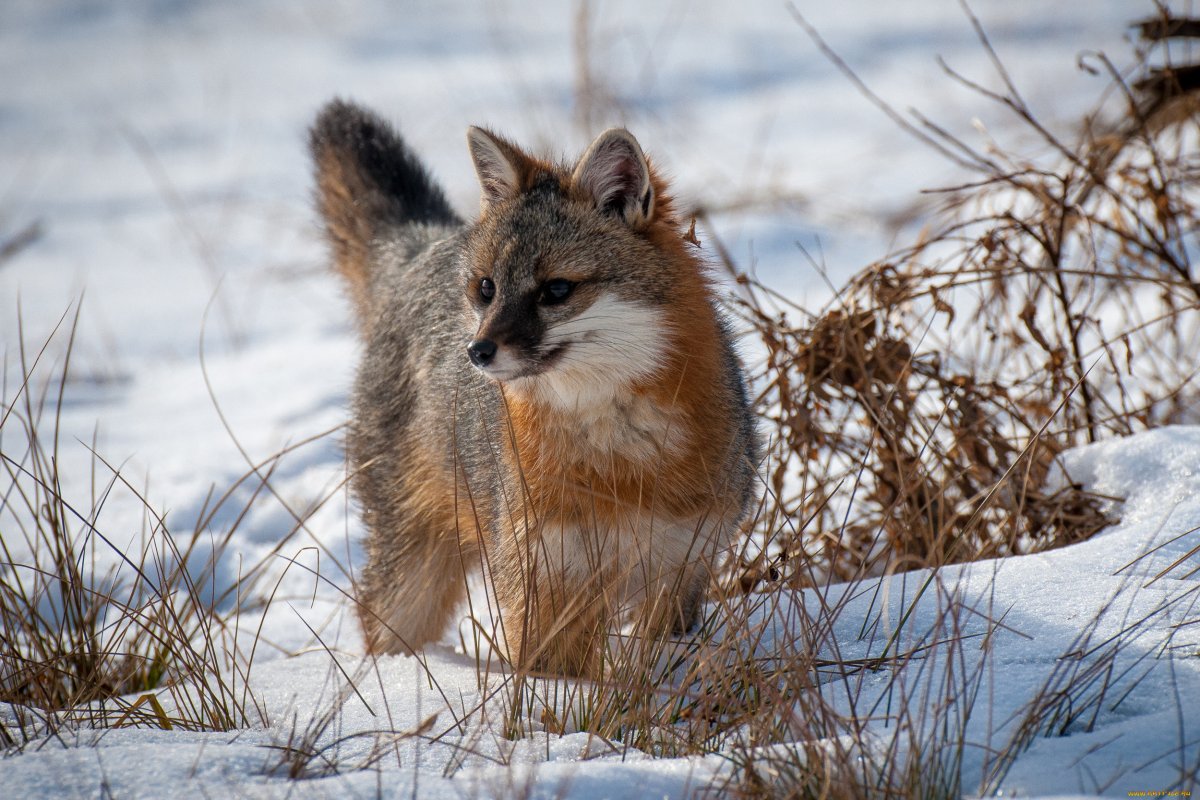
x,y
499,164
614,173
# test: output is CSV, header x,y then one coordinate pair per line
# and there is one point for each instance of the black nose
x,y
481,352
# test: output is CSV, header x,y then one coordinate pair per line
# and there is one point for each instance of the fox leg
x,y
415,577
555,610
562,634
689,592
672,601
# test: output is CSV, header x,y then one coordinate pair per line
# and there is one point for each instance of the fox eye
x,y
487,290
555,291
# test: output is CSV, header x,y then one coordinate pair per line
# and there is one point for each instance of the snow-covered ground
x,y
160,148
1140,736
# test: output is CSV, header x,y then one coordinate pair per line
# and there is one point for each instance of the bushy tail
x,y
367,181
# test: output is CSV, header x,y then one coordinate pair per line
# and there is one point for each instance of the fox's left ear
x,y
614,174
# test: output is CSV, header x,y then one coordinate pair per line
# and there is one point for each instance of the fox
x,y
547,395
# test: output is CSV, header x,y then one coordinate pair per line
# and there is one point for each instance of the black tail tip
x,y
345,126
356,149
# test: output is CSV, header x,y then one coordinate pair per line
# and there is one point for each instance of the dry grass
x,y
316,747
917,420
79,640
104,629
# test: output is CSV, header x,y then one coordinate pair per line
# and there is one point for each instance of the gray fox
x,y
547,393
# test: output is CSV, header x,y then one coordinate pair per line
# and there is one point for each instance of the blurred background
x,y
160,146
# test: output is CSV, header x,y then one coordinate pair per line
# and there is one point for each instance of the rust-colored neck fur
x,y
660,447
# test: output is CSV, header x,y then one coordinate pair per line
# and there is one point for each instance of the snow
x,y
160,146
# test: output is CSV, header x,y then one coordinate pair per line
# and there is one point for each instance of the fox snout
x,y
481,352
502,359
507,343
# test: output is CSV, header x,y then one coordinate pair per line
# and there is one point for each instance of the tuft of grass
x,y
135,628
318,748
87,623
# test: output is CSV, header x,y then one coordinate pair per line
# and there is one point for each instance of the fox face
x,y
566,291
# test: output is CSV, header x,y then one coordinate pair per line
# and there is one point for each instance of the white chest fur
x,y
608,348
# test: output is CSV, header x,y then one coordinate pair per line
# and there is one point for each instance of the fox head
x,y
575,281
562,273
